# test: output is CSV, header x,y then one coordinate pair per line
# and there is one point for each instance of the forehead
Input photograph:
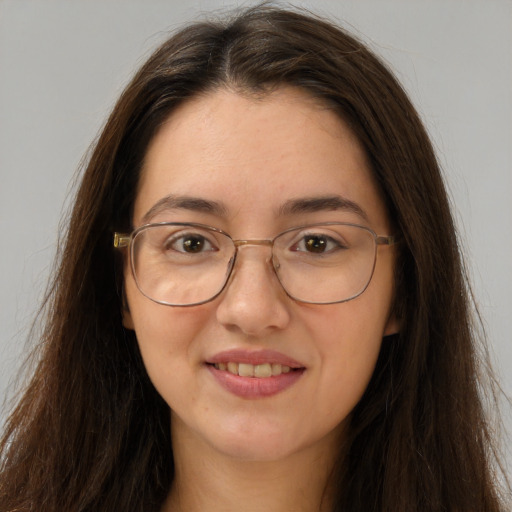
x,y
254,153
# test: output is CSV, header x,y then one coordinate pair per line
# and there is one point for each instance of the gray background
x,y
64,62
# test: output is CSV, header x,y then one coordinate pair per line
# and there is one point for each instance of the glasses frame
x,y
124,240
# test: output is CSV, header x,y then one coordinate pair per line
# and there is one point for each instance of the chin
x,y
259,442
256,451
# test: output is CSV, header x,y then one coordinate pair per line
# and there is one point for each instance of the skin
x,y
253,155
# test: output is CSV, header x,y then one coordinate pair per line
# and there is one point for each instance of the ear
x,y
127,318
393,324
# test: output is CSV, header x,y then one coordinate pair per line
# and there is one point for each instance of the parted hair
x,y
90,432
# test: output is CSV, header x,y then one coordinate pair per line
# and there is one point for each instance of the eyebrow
x,y
172,202
290,207
321,203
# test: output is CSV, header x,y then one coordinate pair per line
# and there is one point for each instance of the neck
x,y
209,481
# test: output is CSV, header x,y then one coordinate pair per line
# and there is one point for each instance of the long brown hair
x,y
92,434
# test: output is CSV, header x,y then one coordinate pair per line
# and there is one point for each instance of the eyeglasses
x,y
179,264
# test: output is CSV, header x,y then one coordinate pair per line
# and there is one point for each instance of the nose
x,y
254,301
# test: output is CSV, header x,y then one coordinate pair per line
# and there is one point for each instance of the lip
x,y
252,387
254,357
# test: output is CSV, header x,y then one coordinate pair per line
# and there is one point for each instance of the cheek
x,y
348,369
166,338
348,338
349,346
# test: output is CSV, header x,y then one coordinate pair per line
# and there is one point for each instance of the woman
x,y
282,321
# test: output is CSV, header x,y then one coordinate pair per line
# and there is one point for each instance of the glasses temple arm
x,y
386,240
121,240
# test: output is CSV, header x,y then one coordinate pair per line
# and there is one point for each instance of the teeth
x,y
277,369
259,371
246,370
263,370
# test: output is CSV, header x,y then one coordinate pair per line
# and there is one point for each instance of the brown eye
x,y
316,244
189,243
194,244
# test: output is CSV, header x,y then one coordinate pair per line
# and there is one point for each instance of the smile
x,y
255,374
259,371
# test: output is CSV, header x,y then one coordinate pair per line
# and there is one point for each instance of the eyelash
x,y
177,237
329,241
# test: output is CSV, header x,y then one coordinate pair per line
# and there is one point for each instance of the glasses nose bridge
x,y
263,242
268,260
266,242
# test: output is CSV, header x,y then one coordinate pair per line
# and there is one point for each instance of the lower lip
x,y
254,387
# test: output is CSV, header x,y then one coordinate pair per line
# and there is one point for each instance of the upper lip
x,y
254,357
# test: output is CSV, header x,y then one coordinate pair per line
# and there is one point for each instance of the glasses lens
x,y
181,264
325,264
186,264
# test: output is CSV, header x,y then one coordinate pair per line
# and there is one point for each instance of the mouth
x,y
258,371
256,374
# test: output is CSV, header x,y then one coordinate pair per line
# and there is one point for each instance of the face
x,y
251,157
